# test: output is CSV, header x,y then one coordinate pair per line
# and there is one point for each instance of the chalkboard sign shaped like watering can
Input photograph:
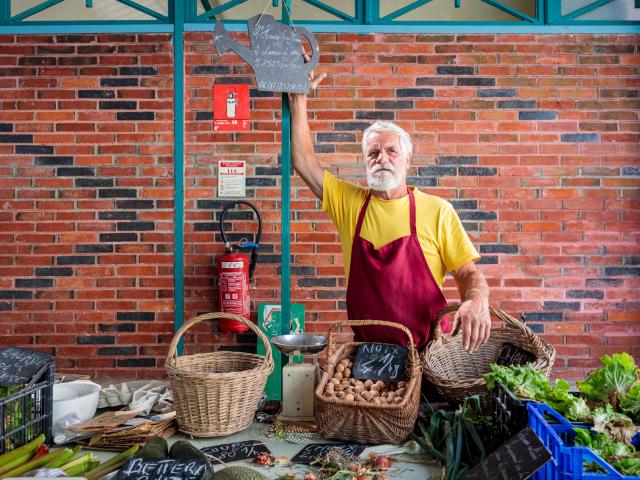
x,y
275,54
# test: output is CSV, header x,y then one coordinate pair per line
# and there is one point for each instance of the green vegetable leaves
x,y
610,382
630,403
525,382
620,456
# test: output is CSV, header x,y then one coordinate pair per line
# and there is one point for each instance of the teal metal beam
x,y
333,11
586,9
511,11
222,8
401,11
143,9
37,28
5,13
178,15
33,10
285,280
441,27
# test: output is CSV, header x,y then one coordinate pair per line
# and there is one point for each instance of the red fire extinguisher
x,y
235,271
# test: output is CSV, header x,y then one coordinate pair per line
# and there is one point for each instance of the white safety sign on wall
x,y
231,178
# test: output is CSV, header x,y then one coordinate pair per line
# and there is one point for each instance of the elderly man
x,y
397,242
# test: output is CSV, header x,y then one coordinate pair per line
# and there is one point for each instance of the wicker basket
x,y
457,373
217,393
361,421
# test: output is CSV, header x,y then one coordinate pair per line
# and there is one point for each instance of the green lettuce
x,y
630,403
525,382
615,425
610,382
622,457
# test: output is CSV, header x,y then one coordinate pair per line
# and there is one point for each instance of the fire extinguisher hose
x,y
252,245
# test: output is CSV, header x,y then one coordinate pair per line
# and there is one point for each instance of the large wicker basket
x,y
361,421
457,373
217,393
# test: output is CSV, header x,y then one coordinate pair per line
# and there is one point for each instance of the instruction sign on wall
x,y
232,178
231,107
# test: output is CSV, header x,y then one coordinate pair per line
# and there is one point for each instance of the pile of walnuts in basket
x,y
345,387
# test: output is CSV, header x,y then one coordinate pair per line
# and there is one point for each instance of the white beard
x,y
382,182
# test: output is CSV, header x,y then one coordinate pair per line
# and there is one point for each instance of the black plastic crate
x,y
509,412
28,413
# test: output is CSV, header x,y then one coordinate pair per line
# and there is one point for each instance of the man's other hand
x,y
474,320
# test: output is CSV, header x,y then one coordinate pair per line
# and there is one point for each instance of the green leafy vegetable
x,y
610,382
525,382
616,425
630,403
622,457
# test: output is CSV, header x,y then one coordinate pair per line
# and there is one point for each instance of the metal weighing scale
x,y
299,379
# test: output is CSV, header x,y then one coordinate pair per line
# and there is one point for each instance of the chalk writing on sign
x,y
517,459
511,354
169,469
18,365
380,361
315,451
234,452
275,54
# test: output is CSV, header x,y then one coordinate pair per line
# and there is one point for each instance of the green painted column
x,y
177,11
285,295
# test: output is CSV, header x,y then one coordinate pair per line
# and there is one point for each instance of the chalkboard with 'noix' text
x,y
380,361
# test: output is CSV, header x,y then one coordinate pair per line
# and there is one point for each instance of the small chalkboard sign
x,y
18,365
234,452
517,459
511,354
380,361
169,469
275,55
314,451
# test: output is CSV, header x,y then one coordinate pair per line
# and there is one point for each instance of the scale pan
x,y
300,343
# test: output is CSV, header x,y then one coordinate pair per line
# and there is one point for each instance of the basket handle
x,y
332,348
495,312
211,316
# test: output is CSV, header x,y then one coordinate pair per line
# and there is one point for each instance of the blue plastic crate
x,y
26,414
568,462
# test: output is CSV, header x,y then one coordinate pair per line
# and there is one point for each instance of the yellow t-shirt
x,y
444,242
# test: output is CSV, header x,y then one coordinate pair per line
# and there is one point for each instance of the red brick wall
x,y
534,138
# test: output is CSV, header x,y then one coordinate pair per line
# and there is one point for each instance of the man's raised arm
x,y
303,157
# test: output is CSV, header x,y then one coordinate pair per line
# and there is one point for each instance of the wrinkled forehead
x,y
384,139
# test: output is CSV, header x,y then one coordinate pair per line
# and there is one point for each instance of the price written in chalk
x,y
381,361
234,452
18,365
315,451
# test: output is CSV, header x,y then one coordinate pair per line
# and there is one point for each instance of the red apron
x,y
393,283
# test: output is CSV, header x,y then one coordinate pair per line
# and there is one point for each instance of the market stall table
x,y
404,469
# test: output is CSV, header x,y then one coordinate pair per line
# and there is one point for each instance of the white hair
x,y
405,139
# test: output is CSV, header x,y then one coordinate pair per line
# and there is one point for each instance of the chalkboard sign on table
x,y
169,469
380,361
517,459
313,451
511,354
18,365
275,55
234,452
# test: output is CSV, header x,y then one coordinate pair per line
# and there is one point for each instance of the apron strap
x,y
412,212
363,210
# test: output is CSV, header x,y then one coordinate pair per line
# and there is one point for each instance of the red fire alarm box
x,y
231,107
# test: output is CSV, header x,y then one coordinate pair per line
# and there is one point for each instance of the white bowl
x,y
79,397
